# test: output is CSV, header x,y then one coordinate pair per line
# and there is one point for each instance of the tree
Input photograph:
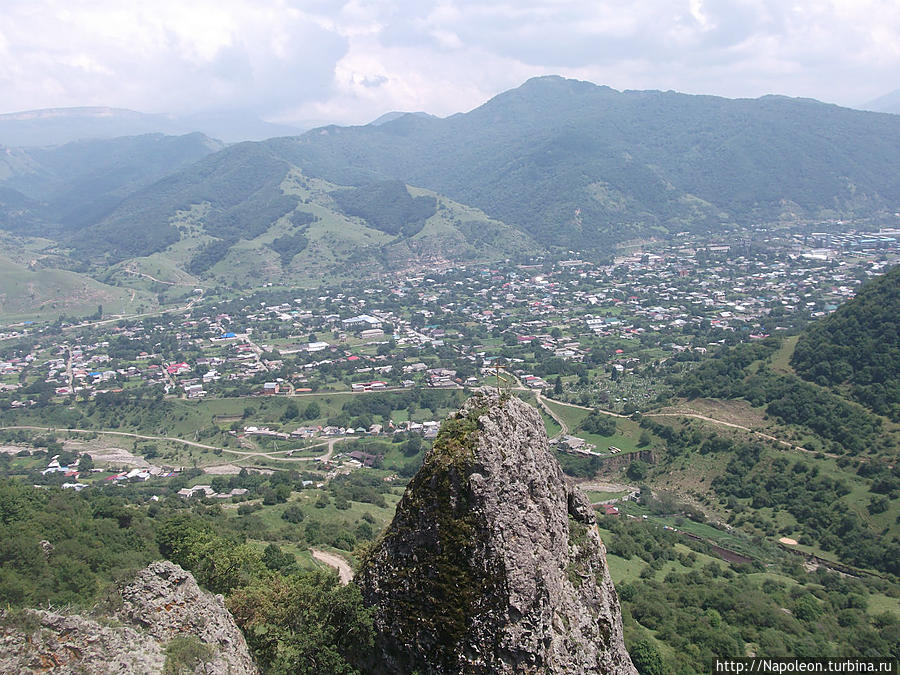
x,y
412,445
557,386
293,514
305,624
291,412
638,470
277,560
646,658
219,564
312,411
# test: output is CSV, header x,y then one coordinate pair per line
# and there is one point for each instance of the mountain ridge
x,y
570,161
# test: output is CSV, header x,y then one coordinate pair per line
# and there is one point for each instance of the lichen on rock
x,y
493,562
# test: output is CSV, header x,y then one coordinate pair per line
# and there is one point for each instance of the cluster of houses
x,y
649,297
73,472
208,492
428,429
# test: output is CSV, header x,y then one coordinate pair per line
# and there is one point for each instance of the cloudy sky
x,y
315,61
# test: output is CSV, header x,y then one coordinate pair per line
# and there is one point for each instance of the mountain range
x,y
553,163
58,126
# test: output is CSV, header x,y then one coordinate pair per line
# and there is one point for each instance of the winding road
x,y
268,455
565,430
345,572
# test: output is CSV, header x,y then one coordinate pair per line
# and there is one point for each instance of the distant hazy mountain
x,y
56,126
889,103
576,164
396,114
61,188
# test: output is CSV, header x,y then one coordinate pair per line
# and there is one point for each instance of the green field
x,y
781,360
627,436
39,294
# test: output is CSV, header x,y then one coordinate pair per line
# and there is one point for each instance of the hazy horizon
x,y
309,63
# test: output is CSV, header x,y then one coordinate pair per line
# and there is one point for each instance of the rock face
x,y
493,563
161,620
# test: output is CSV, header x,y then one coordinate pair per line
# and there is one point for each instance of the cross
x,y
500,378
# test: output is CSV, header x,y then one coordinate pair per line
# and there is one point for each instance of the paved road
x,y
563,427
115,318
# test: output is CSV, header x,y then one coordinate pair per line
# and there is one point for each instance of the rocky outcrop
x,y
38,641
493,562
159,621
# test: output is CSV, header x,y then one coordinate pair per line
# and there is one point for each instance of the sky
x,y
309,62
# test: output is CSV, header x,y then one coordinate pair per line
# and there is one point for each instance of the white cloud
x,y
166,55
350,61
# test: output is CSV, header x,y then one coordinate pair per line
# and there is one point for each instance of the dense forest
x,y
241,186
859,346
743,372
387,206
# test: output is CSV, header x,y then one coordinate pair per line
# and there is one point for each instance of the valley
x,y
239,357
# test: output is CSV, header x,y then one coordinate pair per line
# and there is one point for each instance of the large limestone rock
x,y
493,563
161,620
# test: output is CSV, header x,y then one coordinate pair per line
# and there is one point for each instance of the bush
x,y
293,514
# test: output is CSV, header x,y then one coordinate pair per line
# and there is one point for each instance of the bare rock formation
x,y
493,562
161,620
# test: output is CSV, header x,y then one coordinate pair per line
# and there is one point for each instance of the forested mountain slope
x,y
579,165
859,346
239,184
568,162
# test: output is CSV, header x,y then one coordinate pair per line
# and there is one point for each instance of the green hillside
x,y
245,216
320,241
824,472
580,165
33,293
859,346
240,185
241,216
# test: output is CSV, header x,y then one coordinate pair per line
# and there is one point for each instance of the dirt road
x,y
268,455
345,572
